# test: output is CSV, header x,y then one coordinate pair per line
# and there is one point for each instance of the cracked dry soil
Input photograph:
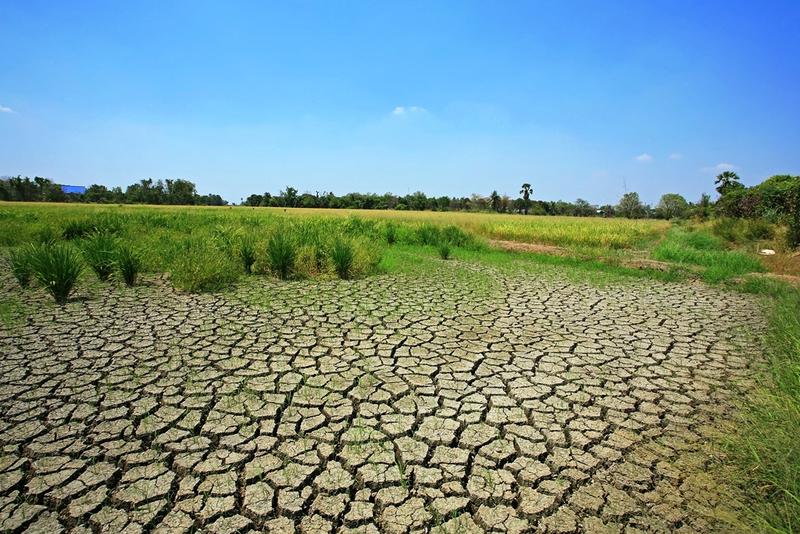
x,y
466,400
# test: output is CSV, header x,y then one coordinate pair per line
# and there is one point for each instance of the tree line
x,y
174,192
776,199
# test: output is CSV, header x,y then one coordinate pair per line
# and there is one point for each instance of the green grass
x,y
20,259
12,312
201,268
765,448
129,263
56,267
100,252
700,249
343,257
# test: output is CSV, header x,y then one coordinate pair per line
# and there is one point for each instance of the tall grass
x,y
343,256
129,263
100,253
246,250
765,449
697,248
57,268
20,258
281,253
202,267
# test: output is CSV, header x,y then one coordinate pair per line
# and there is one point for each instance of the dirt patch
x,y
536,248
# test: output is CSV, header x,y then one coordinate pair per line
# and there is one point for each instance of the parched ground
x,y
467,400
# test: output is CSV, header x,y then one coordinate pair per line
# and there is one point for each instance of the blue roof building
x,y
73,189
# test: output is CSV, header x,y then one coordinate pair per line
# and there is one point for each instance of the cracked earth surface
x,y
465,400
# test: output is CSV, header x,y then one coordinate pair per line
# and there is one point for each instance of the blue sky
x,y
581,99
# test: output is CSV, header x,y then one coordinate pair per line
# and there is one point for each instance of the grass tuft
x,y
57,268
129,263
444,250
21,264
281,253
202,267
343,257
100,253
246,250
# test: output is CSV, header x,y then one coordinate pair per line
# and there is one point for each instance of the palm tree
x,y
526,196
495,199
727,181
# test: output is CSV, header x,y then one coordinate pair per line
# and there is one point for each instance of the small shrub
x,y
444,250
343,256
281,252
21,264
202,267
56,267
247,252
100,252
129,263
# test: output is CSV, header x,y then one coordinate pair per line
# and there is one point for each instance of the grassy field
x,y
208,249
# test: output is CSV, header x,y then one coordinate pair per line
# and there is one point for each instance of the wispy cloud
x,y
408,110
5,109
644,158
676,155
721,167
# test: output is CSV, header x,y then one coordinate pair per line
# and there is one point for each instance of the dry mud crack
x,y
467,400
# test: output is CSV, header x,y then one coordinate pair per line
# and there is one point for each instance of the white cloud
x,y
720,167
4,109
644,158
408,110
676,155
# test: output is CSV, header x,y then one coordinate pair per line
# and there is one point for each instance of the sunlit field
x,y
613,233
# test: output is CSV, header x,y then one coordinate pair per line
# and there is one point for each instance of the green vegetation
x,y
129,263
100,253
700,249
765,450
444,250
20,259
200,267
343,256
281,253
247,252
56,267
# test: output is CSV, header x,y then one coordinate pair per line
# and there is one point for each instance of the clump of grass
x,y
444,250
100,253
46,234
77,228
390,233
202,267
765,449
281,254
343,256
21,264
699,248
56,267
129,263
743,230
246,249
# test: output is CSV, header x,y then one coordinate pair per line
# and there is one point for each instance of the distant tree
x,y
180,191
726,182
526,196
97,193
630,206
672,206
254,200
583,209
289,197
495,201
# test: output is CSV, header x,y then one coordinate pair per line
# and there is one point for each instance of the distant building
x,y
73,189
